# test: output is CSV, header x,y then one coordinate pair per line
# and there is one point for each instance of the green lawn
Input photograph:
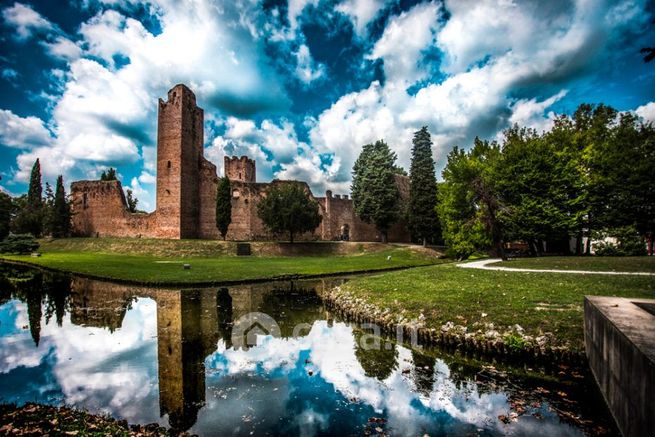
x,y
591,263
539,302
151,269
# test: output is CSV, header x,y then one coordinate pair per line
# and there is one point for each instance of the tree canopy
x,y
108,175
287,208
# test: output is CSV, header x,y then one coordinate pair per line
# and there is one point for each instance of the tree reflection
x,y
377,356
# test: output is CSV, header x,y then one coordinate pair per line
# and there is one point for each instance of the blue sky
x,y
301,85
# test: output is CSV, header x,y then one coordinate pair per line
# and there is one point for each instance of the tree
x,y
5,214
30,216
109,175
223,206
131,201
288,208
533,182
374,190
422,217
468,203
61,212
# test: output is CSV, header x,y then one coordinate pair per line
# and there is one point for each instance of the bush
x,y
19,244
630,243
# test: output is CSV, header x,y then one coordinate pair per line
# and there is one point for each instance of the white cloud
x,y
307,70
64,48
25,19
361,12
647,112
22,132
530,112
9,74
402,42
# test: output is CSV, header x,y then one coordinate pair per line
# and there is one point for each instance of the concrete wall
x,y
620,345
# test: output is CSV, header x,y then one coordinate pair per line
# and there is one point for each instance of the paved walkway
x,y
483,265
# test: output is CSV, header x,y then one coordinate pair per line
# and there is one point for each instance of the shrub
x,y
630,243
19,244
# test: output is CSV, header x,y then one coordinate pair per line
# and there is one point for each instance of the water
x,y
171,356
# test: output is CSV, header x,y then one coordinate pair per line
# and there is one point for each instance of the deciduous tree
x,y
288,208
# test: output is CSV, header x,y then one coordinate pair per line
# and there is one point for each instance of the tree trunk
x,y
578,242
651,237
384,237
425,242
533,248
291,237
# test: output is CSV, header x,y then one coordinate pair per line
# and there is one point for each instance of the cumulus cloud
x,y
25,20
22,132
360,12
647,112
531,113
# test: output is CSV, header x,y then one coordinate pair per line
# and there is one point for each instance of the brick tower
x,y
179,154
240,169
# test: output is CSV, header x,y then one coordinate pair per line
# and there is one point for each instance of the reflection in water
x,y
166,356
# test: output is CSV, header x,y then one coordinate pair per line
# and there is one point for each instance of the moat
x,y
170,356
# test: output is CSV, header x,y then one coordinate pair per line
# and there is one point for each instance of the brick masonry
x,y
186,192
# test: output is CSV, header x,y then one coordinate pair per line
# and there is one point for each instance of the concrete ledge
x,y
620,346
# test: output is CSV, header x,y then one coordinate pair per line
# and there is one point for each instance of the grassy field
x,y
208,264
539,302
591,263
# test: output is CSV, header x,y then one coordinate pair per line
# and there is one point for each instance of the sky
x,y
302,85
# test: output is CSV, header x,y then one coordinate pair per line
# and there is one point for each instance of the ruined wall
x,y
100,210
240,169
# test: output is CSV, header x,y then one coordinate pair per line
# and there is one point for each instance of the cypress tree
x,y
61,214
422,217
374,190
34,199
223,206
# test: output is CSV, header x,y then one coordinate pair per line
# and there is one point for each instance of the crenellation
x,y
186,192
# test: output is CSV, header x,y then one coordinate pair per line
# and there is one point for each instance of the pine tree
x,y
61,213
422,217
223,206
374,190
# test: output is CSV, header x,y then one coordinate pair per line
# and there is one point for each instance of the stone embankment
x,y
507,342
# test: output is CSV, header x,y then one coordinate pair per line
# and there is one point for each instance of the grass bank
x,y
151,267
590,263
480,306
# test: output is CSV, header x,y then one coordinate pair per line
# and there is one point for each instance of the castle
x,y
186,192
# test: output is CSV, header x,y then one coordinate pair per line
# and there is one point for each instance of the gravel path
x,y
483,265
